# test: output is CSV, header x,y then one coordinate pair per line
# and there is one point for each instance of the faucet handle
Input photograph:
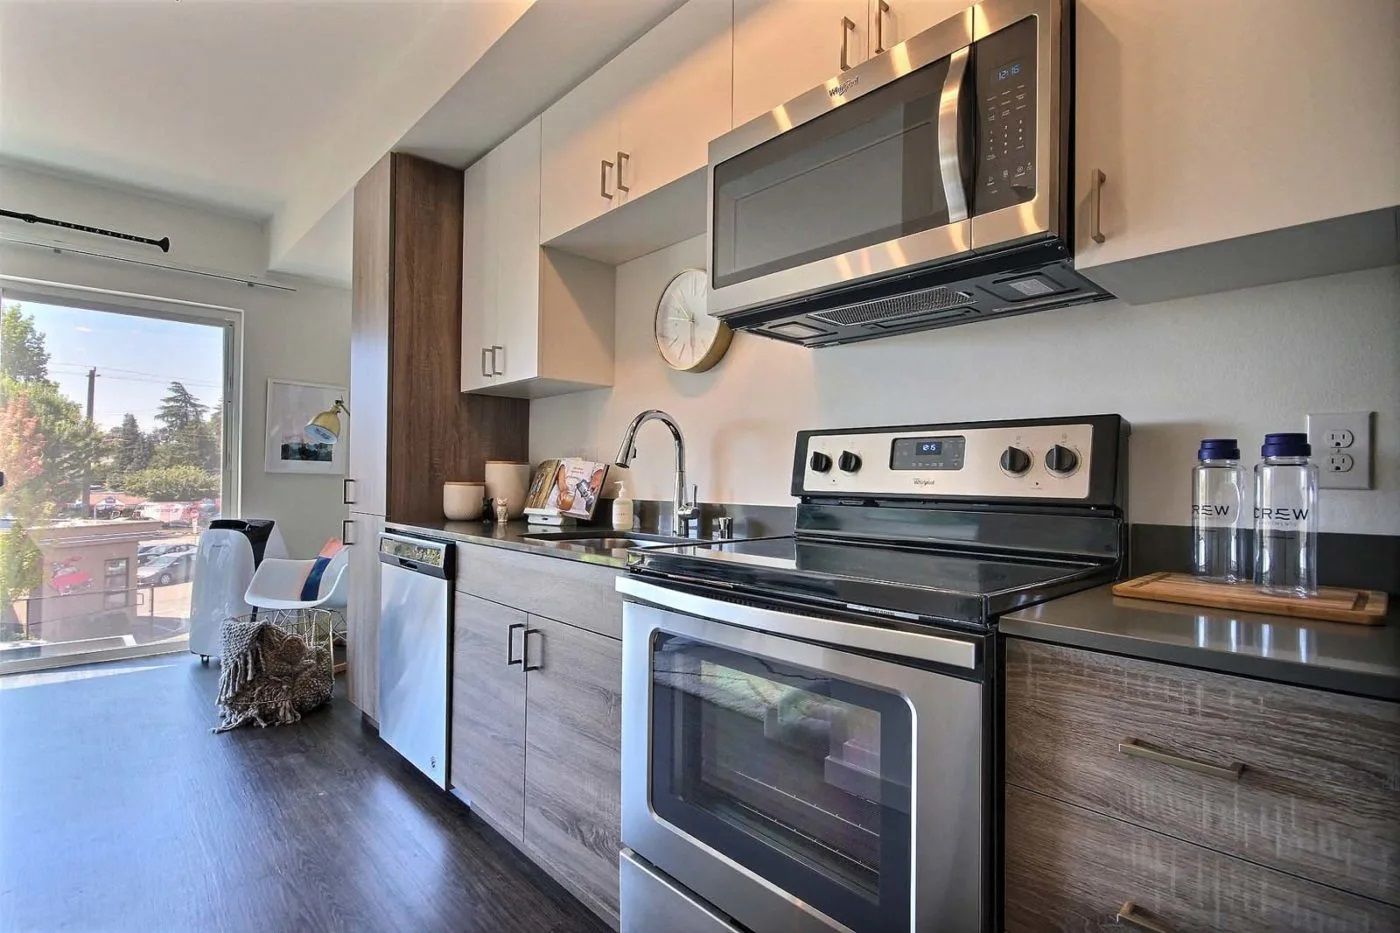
x,y
723,528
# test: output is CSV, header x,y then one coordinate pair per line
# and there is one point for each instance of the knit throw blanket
x,y
268,676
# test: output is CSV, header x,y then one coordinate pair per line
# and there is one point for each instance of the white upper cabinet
x,y
785,47
578,177
515,177
1211,121
677,100
478,276
894,21
641,121
533,323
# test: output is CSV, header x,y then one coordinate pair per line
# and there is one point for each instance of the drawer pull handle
x,y
1136,749
1135,916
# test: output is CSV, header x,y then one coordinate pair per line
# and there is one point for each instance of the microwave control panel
x,y
1005,69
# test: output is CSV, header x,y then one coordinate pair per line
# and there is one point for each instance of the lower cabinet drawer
x,y
1304,781
1067,868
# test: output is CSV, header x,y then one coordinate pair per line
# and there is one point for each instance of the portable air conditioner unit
x,y
229,552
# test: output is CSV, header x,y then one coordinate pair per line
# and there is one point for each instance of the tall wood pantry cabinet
x,y
411,428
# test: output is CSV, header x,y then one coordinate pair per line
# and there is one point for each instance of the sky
x,y
136,359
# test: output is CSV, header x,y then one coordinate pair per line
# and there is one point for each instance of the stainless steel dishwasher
x,y
415,648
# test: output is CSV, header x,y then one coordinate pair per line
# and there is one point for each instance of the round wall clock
x,y
689,338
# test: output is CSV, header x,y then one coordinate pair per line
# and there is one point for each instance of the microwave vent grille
x,y
880,310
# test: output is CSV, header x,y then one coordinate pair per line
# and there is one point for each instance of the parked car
x,y
149,552
165,569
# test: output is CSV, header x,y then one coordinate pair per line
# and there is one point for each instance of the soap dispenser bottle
x,y
622,511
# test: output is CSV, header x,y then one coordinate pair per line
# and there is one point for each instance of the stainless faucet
x,y
684,510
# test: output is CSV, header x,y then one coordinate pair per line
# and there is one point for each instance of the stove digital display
x,y
927,453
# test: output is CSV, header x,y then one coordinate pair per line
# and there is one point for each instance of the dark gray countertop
x,y
512,536
1360,659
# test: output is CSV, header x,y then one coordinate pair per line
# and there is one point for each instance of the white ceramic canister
x,y
509,480
461,501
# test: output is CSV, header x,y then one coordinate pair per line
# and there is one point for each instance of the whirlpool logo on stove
x,y
841,89
920,481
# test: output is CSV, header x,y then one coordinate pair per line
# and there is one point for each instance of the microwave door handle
x,y
950,124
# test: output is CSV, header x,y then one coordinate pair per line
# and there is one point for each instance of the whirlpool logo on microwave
x,y
841,89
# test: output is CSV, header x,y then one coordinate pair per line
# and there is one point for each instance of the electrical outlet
x,y
1341,447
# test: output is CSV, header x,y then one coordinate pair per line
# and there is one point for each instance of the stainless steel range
x,y
809,722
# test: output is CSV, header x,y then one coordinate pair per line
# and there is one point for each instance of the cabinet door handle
x,y
880,12
622,159
603,179
1096,181
848,26
1136,749
497,351
485,369
525,649
1135,916
510,644
345,491
345,525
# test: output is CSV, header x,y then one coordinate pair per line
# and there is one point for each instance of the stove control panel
x,y
984,461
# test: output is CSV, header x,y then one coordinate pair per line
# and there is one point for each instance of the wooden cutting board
x,y
1332,603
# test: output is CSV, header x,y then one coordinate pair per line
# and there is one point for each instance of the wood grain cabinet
x,y
411,428
1208,792
488,710
641,121
536,714
1075,869
535,322
573,758
1214,121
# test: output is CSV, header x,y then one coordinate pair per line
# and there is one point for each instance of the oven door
x,y
796,784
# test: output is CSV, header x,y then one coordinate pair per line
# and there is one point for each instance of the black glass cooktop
x,y
921,582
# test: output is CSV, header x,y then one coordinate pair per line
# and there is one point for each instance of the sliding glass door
x,y
116,433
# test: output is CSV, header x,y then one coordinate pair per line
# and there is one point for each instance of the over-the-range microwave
x,y
925,187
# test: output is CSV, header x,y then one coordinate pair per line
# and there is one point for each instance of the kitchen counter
x,y
512,536
1359,659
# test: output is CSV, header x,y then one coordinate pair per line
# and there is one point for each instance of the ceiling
x,y
273,110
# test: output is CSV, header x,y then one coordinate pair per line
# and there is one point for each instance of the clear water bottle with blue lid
x,y
1285,517
1217,498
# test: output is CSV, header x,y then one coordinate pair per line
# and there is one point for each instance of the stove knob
x,y
820,462
1061,460
1015,461
849,462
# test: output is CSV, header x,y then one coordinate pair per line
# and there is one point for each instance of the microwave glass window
x,y
860,175
797,775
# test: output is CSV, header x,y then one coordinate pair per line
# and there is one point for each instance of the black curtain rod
x,y
163,242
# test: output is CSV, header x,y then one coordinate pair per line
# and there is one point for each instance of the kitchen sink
x,y
605,539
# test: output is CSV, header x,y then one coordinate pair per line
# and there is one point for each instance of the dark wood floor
x,y
119,810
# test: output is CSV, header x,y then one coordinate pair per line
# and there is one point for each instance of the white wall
x,y
301,335
1229,364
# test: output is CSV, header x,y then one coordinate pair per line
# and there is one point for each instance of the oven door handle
x,y
950,129
850,635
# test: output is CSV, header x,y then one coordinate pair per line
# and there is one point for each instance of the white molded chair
x,y
275,594
277,584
